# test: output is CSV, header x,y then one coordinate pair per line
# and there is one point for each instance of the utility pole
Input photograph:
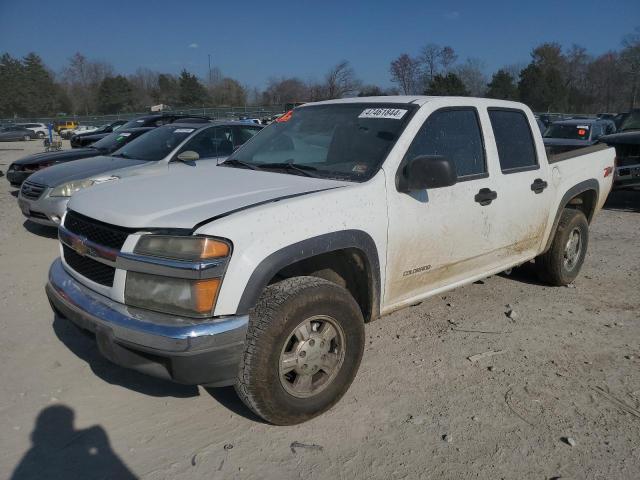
x,y
210,80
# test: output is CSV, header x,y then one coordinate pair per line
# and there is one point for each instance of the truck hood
x,y
83,168
60,156
184,197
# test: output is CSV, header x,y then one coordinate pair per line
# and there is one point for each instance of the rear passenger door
x,y
524,199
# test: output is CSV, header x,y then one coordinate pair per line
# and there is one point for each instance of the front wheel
x,y
303,349
561,264
41,135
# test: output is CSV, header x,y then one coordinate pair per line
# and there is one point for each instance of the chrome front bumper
x,y
184,350
627,177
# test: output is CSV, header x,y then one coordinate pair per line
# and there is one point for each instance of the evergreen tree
x,y
449,84
502,86
192,92
38,90
115,94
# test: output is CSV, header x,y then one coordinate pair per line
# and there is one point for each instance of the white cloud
x,y
193,45
452,15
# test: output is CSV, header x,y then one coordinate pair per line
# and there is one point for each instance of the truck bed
x,y
559,157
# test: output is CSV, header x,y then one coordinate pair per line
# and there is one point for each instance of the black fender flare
x,y
591,184
326,243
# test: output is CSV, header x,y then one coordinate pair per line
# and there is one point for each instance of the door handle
x,y
539,185
485,196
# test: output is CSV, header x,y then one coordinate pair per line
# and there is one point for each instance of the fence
x,y
213,112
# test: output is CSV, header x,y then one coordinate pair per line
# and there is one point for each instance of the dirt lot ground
x,y
419,408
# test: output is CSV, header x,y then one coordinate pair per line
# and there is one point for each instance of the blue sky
x,y
254,40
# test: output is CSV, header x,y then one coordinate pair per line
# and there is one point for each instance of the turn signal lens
x,y
205,293
214,248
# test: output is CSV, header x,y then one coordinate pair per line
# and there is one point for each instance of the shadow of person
x,y
59,451
83,345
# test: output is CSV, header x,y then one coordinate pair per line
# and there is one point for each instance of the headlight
x,y
69,188
182,248
171,295
182,296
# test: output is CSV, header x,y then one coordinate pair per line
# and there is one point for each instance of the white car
x,y
39,128
262,272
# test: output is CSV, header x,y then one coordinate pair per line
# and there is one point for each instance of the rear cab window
x,y
514,140
454,133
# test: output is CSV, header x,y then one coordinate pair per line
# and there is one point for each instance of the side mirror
x,y
424,172
188,156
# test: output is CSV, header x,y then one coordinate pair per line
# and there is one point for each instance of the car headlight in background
x,y
177,295
69,188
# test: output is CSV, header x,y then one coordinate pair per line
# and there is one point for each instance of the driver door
x,y
440,236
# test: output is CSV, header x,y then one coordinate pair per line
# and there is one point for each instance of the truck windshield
x,y
156,144
569,132
348,141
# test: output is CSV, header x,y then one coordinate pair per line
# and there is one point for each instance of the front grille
x,y
31,190
87,267
96,231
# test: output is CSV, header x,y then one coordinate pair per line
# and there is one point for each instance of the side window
x,y
516,149
454,134
211,143
243,135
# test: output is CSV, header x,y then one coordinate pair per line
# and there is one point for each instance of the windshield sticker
x,y
183,130
390,113
124,134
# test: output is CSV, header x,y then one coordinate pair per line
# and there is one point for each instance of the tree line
x,y
555,79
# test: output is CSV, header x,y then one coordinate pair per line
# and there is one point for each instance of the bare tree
x,y
447,58
471,72
341,81
285,90
631,59
430,58
404,71
82,78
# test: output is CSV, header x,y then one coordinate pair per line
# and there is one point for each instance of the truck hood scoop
x,y
183,196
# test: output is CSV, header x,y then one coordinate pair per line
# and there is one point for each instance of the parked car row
x,y
48,180
194,259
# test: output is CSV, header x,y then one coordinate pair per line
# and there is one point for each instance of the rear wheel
x,y
41,135
303,349
561,264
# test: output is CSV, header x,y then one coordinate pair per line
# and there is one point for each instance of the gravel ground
x,y
561,399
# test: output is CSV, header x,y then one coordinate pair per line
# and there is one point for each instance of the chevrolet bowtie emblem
x,y
78,245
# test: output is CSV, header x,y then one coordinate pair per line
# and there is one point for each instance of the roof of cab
x,y
419,100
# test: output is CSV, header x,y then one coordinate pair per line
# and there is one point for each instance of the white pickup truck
x,y
262,273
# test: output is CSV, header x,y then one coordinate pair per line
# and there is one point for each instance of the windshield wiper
x,y
121,155
239,163
306,170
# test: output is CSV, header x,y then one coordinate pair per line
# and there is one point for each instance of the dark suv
x,y
79,141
